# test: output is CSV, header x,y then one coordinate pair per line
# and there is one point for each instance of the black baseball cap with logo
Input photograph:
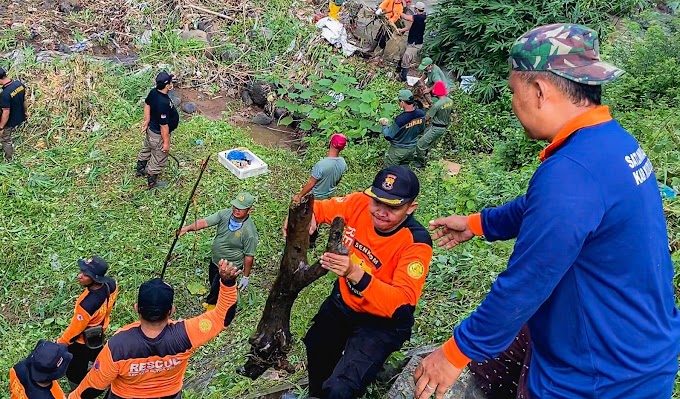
x,y
155,299
164,78
394,186
49,361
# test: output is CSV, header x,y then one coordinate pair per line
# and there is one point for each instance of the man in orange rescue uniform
x,y
36,376
369,313
93,311
147,359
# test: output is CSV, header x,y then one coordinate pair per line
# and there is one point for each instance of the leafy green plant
x,y
332,103
652,68
473,37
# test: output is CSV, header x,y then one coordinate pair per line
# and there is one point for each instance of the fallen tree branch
x,y
271,342
205,10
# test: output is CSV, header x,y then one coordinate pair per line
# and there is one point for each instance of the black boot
x,y
141,169
155,183
404,74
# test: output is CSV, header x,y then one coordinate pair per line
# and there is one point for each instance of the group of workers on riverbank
x,y
585,309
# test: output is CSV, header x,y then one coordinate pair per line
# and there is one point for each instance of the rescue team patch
x,y
416,269
164,116
79,317
388,184
205,325
238,233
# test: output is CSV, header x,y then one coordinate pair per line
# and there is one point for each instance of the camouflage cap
x,y
568,50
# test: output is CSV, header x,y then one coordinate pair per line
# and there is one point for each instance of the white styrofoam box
x,y
257,166
412,80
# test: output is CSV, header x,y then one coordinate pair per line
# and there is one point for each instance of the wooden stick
x,y
205,10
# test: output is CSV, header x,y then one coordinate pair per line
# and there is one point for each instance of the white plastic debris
x,y
335,33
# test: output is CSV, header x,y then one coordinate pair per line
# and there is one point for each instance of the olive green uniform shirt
x,y
233,246
436,74
440,112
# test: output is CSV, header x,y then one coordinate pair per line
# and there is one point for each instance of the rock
x,y
229,55
61,47
259,91
262,119
69,6
195,34
464,388
189,107
245,97
175,97
203,25
280,113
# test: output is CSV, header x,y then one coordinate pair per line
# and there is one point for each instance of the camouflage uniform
x,y
567,50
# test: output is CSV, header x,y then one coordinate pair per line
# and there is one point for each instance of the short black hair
x,y
579,93
161,86
411,101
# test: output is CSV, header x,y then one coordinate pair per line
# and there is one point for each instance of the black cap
x,y
95,268
2,71
394,186
164,78
154,300
49,361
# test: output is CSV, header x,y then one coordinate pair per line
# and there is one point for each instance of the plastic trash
x,y
667,192
199,142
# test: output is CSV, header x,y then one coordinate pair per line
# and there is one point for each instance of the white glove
x,y
379,11
243,283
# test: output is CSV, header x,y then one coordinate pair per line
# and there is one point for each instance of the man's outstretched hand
x,y
435,375
451,231
227,270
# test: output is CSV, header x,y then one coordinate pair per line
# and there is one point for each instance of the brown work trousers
x,y
8,142
407,60
152,152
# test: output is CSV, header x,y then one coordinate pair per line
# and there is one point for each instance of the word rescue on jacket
x,y
157,366
636,159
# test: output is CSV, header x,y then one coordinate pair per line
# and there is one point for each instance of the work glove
x,y
378,12
243,283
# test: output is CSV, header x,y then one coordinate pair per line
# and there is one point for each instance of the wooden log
x,y
271,342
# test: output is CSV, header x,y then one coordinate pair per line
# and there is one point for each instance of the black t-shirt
x,y
163,111
417,31
12,97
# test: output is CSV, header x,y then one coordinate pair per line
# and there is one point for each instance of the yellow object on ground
x,y
334,10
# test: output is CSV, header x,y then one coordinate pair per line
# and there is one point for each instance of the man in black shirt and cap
x,y
414,42
160,119
13,106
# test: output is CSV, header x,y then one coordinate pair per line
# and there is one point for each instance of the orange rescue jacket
x,y
92,309
396,263
136,366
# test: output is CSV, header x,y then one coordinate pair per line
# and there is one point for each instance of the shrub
x,y
474,37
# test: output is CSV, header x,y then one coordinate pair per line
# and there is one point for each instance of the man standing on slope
x,y
414,42
326,175
404,131
85,334
591,274
439,116
160,119
14,111
148,358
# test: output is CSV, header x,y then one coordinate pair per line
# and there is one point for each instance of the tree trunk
x,y
270,344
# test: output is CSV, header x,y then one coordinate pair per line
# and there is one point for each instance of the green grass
x,y
79,196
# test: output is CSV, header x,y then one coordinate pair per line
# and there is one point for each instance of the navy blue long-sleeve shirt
x,y
590,273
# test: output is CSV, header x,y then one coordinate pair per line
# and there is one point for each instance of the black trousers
x,y
79,366
214,281
382,37
506,376
346,350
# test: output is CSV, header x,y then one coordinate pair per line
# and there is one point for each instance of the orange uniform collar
x,y
592,117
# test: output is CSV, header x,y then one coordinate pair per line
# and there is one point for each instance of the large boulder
x,y
259,91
